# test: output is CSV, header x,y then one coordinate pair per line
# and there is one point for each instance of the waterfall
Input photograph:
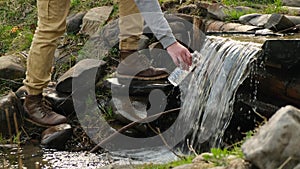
x,y
208,94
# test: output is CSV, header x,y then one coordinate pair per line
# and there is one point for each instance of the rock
x,y
11,67
74,22
55,137
219,26
94,18
129,112
278,22
281,54
293,10
238,163
188,9
139,88
62,103
83,70
177,27
297,167
168,4
185,166
260,21
217,11
243,9
295,3
294,19
10,106
265,32
110,33
98,46
276,141
245,19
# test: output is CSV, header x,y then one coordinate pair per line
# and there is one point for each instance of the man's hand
x,y
180,55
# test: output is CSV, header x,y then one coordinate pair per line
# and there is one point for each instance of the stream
x,y
207,97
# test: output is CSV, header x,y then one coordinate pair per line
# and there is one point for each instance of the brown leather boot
x,y
41,114
136,66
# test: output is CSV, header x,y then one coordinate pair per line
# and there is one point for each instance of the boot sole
x,y
38,124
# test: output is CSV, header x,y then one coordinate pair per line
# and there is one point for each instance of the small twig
x,y
24,55
17,128
27,135
191,148
261,116
158,132
285,162
8,125
129,126
18,140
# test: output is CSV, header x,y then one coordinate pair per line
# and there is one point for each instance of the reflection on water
x,y
35,157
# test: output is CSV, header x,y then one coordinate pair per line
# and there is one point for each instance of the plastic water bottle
x,y
180,74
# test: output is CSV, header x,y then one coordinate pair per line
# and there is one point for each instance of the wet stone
x,y
56,136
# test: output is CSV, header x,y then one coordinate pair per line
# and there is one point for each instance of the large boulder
x,y
276,142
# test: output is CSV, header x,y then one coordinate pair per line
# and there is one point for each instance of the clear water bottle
x,y
180,74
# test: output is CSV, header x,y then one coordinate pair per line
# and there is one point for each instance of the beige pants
x,y
131,25
52,24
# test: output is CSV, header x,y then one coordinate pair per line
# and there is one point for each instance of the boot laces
x,y
45,107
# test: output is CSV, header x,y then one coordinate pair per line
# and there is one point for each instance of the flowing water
x,y
209,95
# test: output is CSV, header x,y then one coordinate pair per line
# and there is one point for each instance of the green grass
x,y
187,160
249,2
22,14
235,14
259,6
